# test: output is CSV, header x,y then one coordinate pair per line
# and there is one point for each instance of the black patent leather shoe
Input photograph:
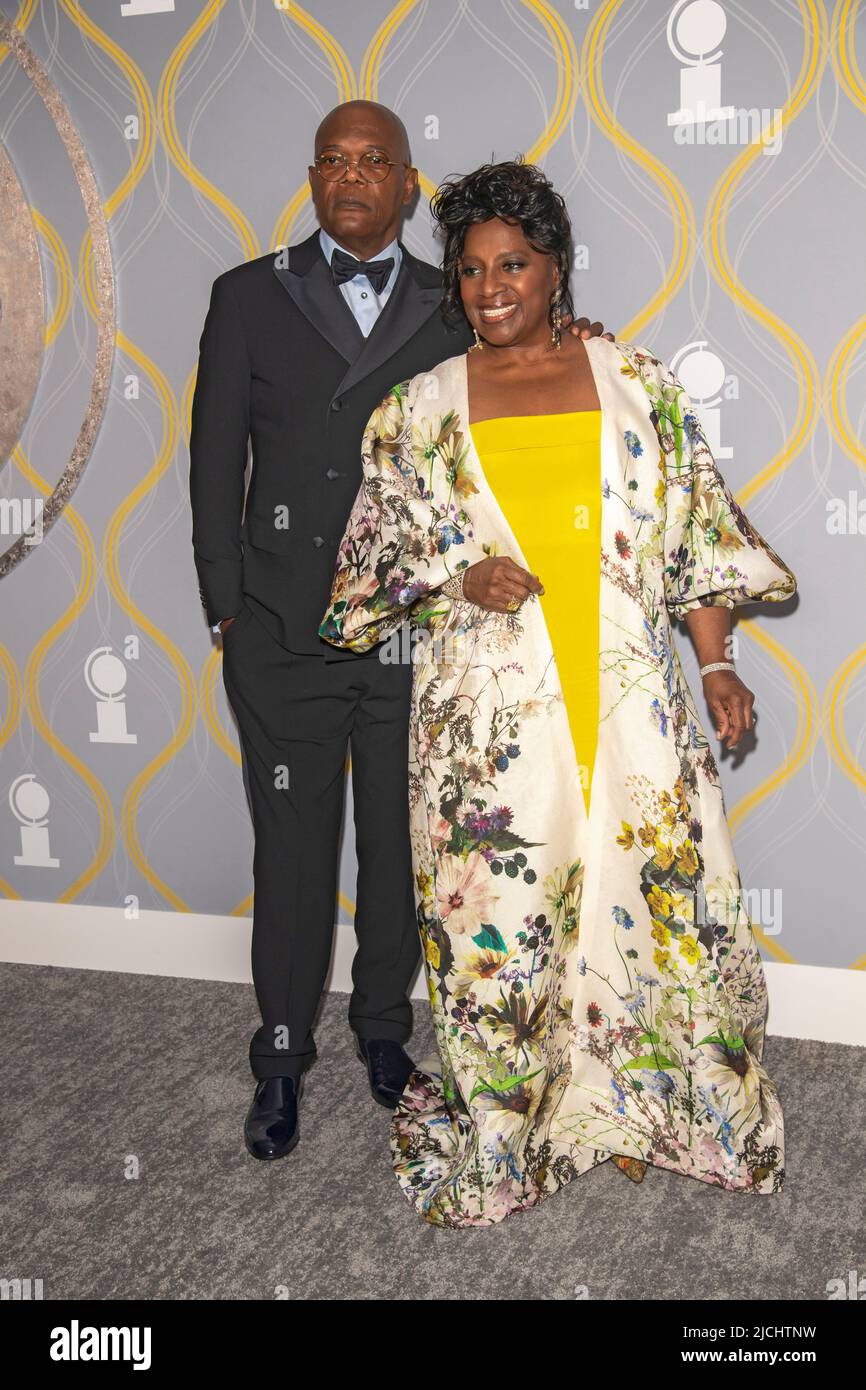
x,y
271,1127
388,1068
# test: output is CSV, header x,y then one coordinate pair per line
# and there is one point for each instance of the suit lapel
x,y
307,279
409,304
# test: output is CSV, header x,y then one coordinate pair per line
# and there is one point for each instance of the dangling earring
x,y
556,332
478,343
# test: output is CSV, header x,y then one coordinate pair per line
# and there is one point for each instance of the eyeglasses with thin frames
x,y
371,166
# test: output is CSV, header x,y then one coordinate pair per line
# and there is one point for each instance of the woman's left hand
x,y
730,703
582,328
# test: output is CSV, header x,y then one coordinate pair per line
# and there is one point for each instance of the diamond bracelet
x,y
718,666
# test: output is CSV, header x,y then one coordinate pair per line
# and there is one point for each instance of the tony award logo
x,y
105,677
29,801
702,373
695,30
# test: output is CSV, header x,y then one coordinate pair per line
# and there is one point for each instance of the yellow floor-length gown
x,y
545,472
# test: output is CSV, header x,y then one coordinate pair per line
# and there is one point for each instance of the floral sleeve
x,y
712,553
408,531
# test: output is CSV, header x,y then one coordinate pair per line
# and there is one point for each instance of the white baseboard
x,y
806,1001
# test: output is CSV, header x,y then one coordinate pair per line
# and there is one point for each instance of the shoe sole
x,y
270,1158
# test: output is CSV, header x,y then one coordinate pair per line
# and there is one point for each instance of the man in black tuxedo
x,y
298,348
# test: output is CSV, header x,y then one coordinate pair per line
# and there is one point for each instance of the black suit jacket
x,y
283,364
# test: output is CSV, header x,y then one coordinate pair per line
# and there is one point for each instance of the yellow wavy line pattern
x,y
59,313
83,593
566,59
10,722
843,52
850,78
371,68
113,533
715,241
805,738
682,257
718,259
58,254
22,21
59,257
573,74
843,679
249,245
679,203
345,89
247,239
372,61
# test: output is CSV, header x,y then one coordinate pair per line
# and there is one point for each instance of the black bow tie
x,y
346,267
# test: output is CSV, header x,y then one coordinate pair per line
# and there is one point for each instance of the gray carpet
x,y
100,1067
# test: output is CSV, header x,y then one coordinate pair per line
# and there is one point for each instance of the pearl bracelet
x,y
718,666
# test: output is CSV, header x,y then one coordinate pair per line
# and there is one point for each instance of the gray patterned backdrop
x,y
712,157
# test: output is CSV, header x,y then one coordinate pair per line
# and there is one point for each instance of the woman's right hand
x,y
497,581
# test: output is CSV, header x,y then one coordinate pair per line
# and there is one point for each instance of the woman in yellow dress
x,y
541,508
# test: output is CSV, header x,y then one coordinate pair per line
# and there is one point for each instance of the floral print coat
x,y
595,984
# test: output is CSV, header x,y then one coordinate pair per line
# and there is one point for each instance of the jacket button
x,y
332,474
337,405
318,541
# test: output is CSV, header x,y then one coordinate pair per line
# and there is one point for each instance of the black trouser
x,y
298,715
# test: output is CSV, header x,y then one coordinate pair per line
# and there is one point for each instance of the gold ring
x,y
513,604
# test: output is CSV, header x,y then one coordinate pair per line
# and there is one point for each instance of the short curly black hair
x,y
517,193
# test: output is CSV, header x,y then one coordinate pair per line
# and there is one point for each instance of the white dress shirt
x,y
362,299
